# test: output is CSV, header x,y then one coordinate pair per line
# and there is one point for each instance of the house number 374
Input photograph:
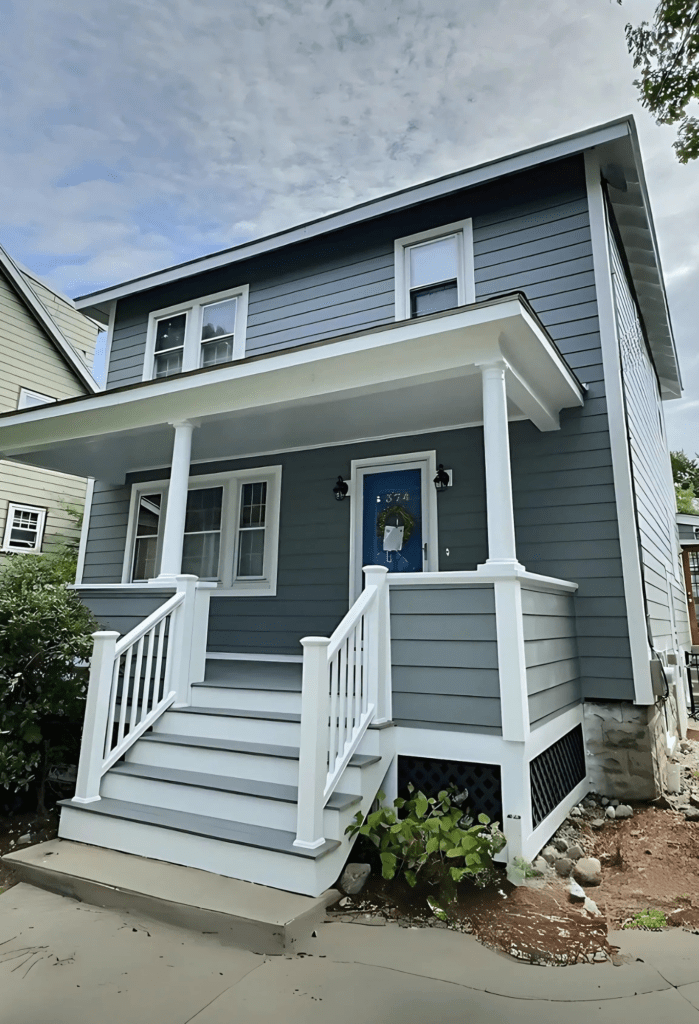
x,y
394,496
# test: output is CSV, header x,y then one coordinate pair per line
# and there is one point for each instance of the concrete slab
x,y
674,953
249,916
690,993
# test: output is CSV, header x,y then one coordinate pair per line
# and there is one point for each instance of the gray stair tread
x,y
253,675
203,825
243,747
250,787
272,716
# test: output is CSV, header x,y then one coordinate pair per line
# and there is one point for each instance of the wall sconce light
x,y
442,480
340,489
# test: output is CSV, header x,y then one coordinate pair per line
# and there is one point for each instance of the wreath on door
x,y
405,520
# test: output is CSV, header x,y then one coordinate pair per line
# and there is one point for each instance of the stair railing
x,y
346,686
133,680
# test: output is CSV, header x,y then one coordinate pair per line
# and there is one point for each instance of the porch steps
x,y
214,785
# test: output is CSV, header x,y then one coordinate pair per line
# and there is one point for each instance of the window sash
x,y
24,528
252,530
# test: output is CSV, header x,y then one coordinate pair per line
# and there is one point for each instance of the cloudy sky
x,y
139,133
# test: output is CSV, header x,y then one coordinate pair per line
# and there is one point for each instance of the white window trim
x,y
25,393
191,352
41,525
465,282
231,483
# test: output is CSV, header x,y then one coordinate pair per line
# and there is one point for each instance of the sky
x,y
136,134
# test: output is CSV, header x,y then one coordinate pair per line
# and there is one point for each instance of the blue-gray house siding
x,y
531,233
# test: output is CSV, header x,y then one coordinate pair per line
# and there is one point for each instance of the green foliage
x,y
686,500
685,471
45,644
433,839
667,52
648,920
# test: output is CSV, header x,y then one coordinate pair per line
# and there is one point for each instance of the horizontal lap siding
x,y
123,611
444,657
652,479
106,536
551,654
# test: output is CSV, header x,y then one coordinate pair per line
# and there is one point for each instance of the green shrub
x,y
45,645
433,838
648,920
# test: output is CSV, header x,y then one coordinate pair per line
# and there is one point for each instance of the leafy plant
x,y
45,644
686,499
434,838
650,920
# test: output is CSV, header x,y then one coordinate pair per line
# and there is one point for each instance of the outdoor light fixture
x,y
340,489
441,481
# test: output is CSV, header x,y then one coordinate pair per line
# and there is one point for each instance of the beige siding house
x,y
46,349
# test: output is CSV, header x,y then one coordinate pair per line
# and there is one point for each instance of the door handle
x,y
424,551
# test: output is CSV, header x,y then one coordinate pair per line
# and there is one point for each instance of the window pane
x,y
144,558
200,554
433,262
24,530
219,319
170,332
204,509
214,352
167,364
251,547
434,300
148,515
147,528
253,500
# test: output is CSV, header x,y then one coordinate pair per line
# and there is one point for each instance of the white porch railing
x,y
135,679
346,686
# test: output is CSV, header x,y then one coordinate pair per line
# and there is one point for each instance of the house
x,y
46,347
379,498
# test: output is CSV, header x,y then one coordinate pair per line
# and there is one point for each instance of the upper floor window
x,y
434,270
24,528
29,399
204,332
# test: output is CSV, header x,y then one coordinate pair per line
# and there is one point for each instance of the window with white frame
x,y
434,270
24,528
230,534
30,399
201,333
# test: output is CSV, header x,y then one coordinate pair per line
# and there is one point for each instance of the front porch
x,y
238,723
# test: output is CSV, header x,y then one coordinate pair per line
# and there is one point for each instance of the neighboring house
x,y
46,347
460,387
688,526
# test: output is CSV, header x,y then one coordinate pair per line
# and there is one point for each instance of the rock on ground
x,y
575,852
354,877
588,871
624,811
563,866
577,893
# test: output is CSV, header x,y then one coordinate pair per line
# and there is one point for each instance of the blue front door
x,y
392,520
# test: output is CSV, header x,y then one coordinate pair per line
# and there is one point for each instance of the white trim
x,y
412,196
20,506
25,393
686,519
54,333
84,530
483,574
621,459
465,277
426,462
193,310
231,481
110,339
221,656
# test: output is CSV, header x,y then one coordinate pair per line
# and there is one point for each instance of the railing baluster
x,y
146,698
109,733
136,695
351,665
157,695
126,685
333,732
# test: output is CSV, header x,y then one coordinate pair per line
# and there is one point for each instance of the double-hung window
x,y
434,270
203,332
230,532
24,528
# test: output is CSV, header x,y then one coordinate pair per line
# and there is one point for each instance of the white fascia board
x,y
686,519
56,336
412,196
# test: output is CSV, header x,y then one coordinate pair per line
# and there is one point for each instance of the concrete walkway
x,y
62,961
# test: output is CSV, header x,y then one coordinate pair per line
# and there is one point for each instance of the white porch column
x,y
498,477
176,510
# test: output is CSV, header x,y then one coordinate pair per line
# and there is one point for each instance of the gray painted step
x,y
202,825
253,675
243,747
267,716
248,787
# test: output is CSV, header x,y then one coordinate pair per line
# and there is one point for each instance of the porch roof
x,y
415,375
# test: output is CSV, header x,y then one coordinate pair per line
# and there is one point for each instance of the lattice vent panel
x,y
556,772
430,776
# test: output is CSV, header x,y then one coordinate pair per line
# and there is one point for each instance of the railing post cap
x,y
315,641
375,568
105,634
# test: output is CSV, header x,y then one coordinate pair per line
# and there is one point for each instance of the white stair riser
x,y
222,727
248,700
250,810
252,864
232,763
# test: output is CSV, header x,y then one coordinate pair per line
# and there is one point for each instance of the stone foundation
x,y
625,748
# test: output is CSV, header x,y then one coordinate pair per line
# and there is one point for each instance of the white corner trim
x,y
84,530
110,339
621,458
465,281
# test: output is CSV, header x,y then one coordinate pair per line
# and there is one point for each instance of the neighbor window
x,y
434,271
230,533
24,528
203,333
